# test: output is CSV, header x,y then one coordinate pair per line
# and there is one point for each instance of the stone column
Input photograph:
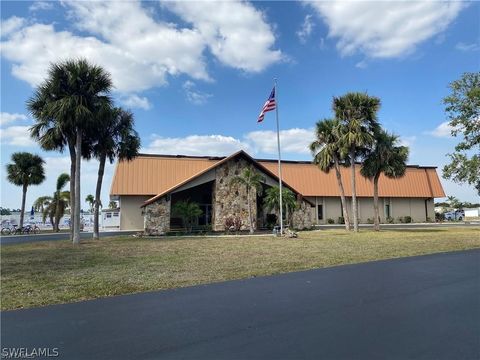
x,y
157,217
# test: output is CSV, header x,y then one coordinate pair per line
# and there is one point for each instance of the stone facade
x,y
231,200
304,216
157,217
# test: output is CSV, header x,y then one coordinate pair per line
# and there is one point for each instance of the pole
x,y
279,158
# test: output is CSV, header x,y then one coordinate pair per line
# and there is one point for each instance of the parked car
x,y
455,215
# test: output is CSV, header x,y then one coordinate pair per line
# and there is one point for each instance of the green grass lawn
x,y
53,272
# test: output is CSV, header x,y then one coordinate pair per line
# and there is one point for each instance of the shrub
x,y
271,221
341,220
369,221
233,223
407,219
401,219
330,221
439,216
390,220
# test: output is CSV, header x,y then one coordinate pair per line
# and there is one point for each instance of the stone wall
x,y
304,216
231,200
157,217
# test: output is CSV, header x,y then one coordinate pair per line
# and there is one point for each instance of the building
x,y
150,185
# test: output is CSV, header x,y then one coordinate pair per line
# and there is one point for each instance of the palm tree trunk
x,y
342,194
98,191
249,210
76,219
376,214
72,187
57,212
354,192
24,197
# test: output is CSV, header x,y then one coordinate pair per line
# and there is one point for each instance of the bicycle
x,y
6,230
30,229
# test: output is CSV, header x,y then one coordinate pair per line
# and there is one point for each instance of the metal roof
x,y
158,174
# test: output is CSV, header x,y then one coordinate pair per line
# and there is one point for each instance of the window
x,y
387,210
115,214
109,215
320,212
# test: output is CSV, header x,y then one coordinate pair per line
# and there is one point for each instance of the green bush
x,y
439,216
407,219
390,220
369,221
330,221
341,220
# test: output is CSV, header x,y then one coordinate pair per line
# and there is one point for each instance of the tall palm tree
x,y
357,113
328,153
115,137
251,180
272,201
54,206
386,157
66,106
26,169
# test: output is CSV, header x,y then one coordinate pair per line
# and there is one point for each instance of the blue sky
x,y
196,74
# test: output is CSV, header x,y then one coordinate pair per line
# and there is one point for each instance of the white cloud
x,y
16,136
213,145
306,29
139,50
407,141
442,130
6,118
41,5
467,47
135,101
361,64
385,29
11,25
235,32
291,140
193,95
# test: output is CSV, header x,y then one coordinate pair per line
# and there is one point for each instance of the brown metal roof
x,y
156,174
310,181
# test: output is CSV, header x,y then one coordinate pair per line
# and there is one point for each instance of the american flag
x,y
269,106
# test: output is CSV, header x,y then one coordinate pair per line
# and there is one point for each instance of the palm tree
x,y
115,138
54,206
112,204
26,169
90,200
43,204
188,212
251,180
357,113
328,154
272,201
65,107
386,157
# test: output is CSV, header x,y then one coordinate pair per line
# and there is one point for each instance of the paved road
x,y
424,307
19,239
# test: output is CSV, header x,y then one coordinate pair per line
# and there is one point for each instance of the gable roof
x,y
151,175
215,164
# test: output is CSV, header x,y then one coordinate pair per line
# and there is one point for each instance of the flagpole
x,y
279,158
